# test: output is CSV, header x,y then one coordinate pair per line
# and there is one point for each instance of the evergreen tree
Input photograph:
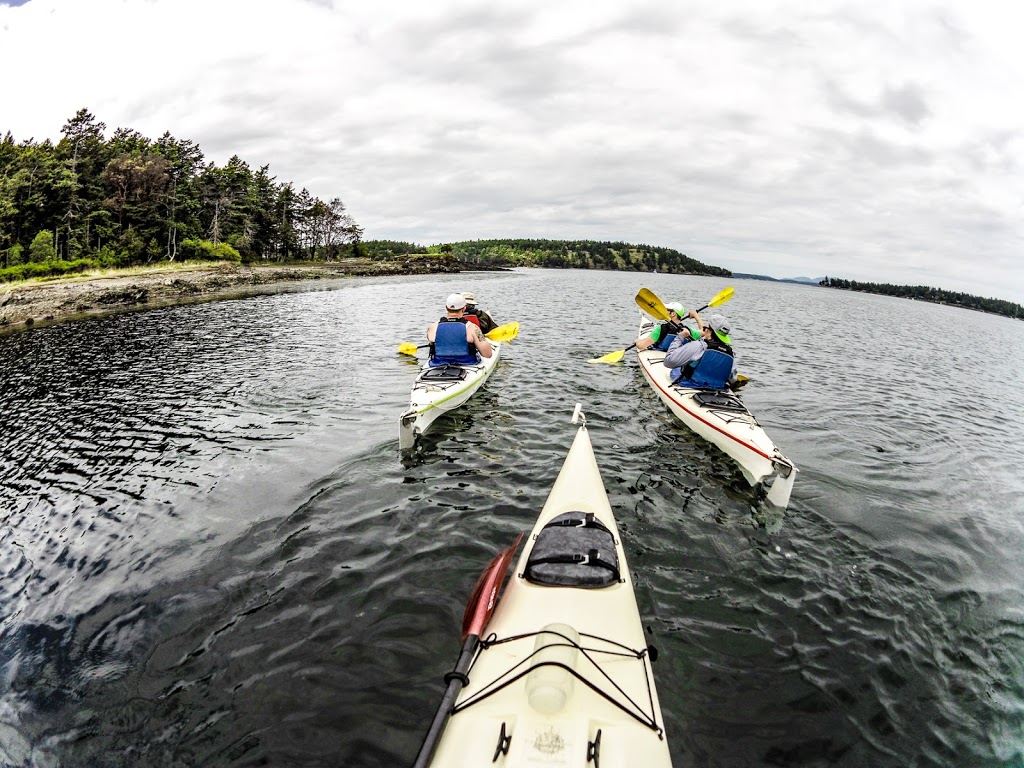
x,y
41,248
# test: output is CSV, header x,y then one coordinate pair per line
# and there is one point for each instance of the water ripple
x,y
213,554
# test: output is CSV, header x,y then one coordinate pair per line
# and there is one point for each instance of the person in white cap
x,y
684,354
662,335
476,315
454,340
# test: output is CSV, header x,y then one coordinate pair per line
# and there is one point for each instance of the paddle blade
x,y
408,348
651,304
741,381
611,357
485,593
722,297
505,332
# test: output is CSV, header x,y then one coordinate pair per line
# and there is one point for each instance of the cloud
x,y
873,141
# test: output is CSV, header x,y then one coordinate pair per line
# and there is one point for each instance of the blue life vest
x,y
450,345
712,371
665,342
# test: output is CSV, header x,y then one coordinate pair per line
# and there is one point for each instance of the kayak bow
x,y
563,675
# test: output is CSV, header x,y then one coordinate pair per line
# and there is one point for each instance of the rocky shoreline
x,y
29,304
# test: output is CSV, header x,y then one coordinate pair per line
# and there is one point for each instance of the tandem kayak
x,y
441,389
561,675
720,417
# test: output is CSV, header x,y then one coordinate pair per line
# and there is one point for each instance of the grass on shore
x,y
108,272
165,267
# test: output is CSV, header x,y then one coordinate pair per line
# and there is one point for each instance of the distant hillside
x,y
934,295
567,254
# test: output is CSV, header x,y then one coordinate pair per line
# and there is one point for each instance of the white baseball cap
x,y
455,302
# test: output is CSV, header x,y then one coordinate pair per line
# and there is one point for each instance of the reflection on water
x,y
213,553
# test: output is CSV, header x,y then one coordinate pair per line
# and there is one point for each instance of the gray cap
x,y
721,327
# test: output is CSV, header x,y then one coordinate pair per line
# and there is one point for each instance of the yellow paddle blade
x,y
651,304
741,381
505,332
611,357
722,297
408,348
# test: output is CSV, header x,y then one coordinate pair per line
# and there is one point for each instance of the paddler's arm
x,y
476,337
431,332
649,339
682,351
700,323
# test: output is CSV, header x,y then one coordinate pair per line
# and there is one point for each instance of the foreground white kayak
x,y
562,674
721,418
439,390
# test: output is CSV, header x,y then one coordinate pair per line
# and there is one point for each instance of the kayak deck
x,y
724,421
431,397
563,671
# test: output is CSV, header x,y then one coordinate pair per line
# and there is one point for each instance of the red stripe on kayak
x,y
748,446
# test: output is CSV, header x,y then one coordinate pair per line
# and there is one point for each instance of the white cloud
x,y
876,141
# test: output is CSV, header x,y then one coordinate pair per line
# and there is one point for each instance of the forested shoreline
x,y
90,202
558,254
934,295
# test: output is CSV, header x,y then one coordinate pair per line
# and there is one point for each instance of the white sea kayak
x,y
562,673
720,417
439,390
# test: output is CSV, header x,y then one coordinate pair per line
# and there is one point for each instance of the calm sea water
x,y
212,553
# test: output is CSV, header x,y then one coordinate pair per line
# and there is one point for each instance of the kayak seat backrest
x,y
575,549
451,347
444,373
712,371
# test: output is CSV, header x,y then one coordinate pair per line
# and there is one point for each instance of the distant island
x,y
916,292
800,280
558,254
934,295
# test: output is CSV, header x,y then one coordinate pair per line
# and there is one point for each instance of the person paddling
x,y
663,334
454,340
476,315
685,354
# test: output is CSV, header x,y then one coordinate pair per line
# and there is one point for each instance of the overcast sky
x,y
876,141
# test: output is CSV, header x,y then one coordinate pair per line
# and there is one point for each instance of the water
x,y
212,553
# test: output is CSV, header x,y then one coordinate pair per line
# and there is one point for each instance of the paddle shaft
x,y
444,711
482,603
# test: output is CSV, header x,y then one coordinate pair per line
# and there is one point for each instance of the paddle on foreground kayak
x,y
560,674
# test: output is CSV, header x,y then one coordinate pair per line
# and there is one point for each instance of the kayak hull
x,y
429,400
736,432
522,712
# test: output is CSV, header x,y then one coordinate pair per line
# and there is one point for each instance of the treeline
x,y
130,200
936,295
575,254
